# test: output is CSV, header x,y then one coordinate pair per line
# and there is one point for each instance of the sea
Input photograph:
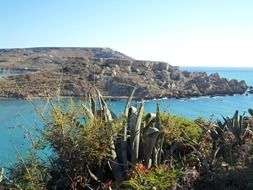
x,y
20,121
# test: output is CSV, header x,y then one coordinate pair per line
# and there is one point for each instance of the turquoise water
x,y
18,118
3,74
13,73
6,74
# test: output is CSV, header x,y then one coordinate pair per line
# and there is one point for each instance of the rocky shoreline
x,y
71,72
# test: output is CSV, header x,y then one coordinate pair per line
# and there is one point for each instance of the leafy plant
x,y
176,127
160,177
29,173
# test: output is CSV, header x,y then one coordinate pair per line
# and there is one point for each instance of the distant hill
x,y
53,71
65,52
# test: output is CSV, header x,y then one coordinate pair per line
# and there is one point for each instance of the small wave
x,y
215,97
199,98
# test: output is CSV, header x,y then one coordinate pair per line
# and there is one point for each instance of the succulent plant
x,y
1,175
250,111
126,148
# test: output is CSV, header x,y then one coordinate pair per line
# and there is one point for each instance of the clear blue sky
x,y
182,32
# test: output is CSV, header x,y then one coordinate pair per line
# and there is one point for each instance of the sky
x,y
181,32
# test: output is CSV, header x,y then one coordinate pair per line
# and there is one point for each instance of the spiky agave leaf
x,y
106,112
93,104
235,121
135,135
87,112
132,117
150,135
236,125
221,125
250,112
99,99
159,145
128,103
126,112
1,175
150,119
158,119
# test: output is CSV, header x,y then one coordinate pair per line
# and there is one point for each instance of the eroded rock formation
x,y
72,72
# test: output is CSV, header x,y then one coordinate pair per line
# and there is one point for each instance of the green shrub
x,y
176,127
160,177
90,143
28,173
79,145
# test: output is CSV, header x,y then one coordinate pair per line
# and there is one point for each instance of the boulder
x,y
243,85
250,91
161,66
164,75
186,74
175,75
214,76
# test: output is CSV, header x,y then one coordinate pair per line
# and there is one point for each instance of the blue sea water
x,y
11,73
18,118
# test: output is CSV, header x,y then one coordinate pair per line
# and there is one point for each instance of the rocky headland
x,y
43,72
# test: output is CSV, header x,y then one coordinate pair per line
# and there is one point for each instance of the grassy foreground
x,y
94,149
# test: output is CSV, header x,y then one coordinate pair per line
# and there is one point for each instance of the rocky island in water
x,y
43,72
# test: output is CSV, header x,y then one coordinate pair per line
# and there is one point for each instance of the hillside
x,y
41,72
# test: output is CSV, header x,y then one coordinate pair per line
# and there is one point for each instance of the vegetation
x,y
159,177
92,148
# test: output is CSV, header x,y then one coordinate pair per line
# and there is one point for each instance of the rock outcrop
x,y
73,71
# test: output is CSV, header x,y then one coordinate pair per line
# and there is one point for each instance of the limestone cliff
x,y
41,72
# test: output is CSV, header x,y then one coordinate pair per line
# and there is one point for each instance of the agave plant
x,y
237,125
231,133
135,135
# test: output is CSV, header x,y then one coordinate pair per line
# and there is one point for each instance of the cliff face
x,y
40,72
